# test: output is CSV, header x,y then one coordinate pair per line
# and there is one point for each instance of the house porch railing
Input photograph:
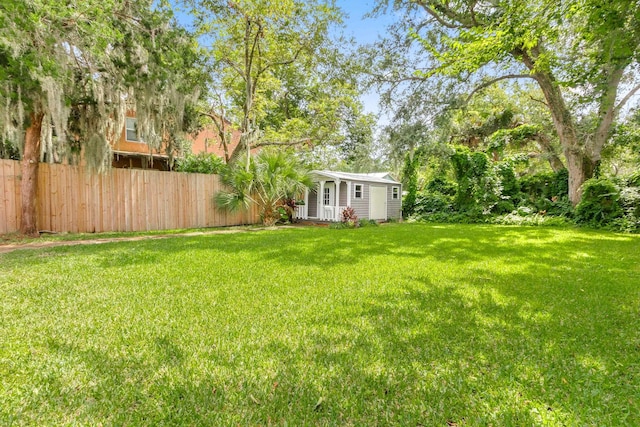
x,y
326,213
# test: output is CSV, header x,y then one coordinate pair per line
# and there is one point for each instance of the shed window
x,y
357,191
395,193
327,196
132,130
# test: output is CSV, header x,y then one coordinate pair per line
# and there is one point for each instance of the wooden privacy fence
x,y
70,199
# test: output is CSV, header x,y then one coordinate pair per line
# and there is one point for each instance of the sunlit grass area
x,y
405,324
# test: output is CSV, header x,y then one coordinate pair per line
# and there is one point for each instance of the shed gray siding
x,y
313,204
343,194
361,206
394,207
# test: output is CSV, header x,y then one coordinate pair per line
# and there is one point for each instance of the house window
x,y
395,193
327,196
132,130
357,191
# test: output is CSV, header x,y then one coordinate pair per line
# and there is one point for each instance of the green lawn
x,y
403,324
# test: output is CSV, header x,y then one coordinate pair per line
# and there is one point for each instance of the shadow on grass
x,y
553,341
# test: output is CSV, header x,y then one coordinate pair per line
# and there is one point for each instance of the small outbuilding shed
x,y
372,195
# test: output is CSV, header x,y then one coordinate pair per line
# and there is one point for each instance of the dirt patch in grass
x,y
10,243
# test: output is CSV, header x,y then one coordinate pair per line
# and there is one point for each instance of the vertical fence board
x,y
44,216
82,206
6,211
70,199
53,185
90,200
65,198
108,184
153,185
147,201
16,197
103,188
119,204
182,187
4,199
125,185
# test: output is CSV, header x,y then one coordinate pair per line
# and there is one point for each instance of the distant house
x,y
130,151
208,141
372,195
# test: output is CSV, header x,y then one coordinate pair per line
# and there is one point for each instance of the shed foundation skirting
x,y
327,213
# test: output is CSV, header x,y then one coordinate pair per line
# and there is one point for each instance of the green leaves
x,y
93,61
273,177
276,70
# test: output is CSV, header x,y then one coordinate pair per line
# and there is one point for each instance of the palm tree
x,y
274,177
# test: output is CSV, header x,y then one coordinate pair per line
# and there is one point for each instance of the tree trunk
x,y
582,161
29,183
564,123
549,152
578,165
577,174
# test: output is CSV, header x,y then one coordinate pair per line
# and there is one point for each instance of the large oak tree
x,y
583,54
70,70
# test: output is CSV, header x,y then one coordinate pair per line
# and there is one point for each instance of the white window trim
x,y
355,191
127,129
395,193
326,197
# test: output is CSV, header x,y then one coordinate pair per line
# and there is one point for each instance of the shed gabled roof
x,y
377,177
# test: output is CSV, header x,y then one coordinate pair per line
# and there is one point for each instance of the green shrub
x,y
368,223
629,222
560,206
474,216
547,185
599,205
441,185
410,182
560,183
634,180
509,182
503,207
478,184
532,220
200,163
337,226
428,203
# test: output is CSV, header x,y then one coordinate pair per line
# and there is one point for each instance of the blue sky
x,y
365,31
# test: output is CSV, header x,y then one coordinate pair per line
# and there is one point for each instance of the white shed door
x,y
377,202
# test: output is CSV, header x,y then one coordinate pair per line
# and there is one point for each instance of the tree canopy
x,y
582,54
279,73
72,69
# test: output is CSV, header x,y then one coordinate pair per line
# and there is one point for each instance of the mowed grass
x,y
405,324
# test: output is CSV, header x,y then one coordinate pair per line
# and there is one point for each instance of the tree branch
x,y
627,97
279,63
607,112
496,80
439,10
282,143
539,100
235,68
